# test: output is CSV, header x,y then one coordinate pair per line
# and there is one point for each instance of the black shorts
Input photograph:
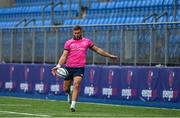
x,y
73,72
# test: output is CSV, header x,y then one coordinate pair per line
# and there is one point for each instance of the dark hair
x,y
77,28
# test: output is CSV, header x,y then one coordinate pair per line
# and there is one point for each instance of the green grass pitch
x,y
18,107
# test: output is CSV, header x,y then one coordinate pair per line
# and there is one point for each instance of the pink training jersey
x,y
77,50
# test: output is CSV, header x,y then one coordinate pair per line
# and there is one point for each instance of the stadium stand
x,y
112,12
111,15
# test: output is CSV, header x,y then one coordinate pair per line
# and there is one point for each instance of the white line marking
x,y
16,105
20,113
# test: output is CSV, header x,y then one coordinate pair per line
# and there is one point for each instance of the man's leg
x,y
76,86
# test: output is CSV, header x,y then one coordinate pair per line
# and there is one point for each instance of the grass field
x,y
17,107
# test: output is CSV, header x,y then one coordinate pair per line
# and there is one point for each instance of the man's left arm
x,y
103,53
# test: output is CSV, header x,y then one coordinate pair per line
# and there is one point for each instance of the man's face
x,y
77,34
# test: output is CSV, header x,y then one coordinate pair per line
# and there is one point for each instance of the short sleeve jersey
x,y
77,51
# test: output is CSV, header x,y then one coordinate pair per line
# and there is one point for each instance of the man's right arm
x,y
62,60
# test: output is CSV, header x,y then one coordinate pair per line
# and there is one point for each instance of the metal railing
x,y
136,44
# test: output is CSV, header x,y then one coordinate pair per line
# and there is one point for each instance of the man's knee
x,y
77,82
76,85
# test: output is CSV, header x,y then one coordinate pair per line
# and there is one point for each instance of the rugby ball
x,y
62,72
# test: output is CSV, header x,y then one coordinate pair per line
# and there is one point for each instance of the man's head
x,y
77,33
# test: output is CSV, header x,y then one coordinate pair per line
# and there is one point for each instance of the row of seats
x,y
29,12
94,6
38,16
131,4
97,13
127,8
117,20
97,4
104,21
14,23
43,2
92,21
125,13
36,11
37,8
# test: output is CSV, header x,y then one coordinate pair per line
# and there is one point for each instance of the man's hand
x,y
113,57
53,70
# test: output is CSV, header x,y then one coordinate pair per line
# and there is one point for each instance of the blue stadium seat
x,y
133,4
119,5
81,22
97,21
94,6
88,21
128,4
92,21
85,3
102,5
74,7
105,21
85,22
67,22
113,20
111,5
178,18
118,21
143,3
171,19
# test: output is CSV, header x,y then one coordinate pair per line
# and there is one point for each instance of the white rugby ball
x,y
62,72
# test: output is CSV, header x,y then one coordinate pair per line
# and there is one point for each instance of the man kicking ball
x,y
74,58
